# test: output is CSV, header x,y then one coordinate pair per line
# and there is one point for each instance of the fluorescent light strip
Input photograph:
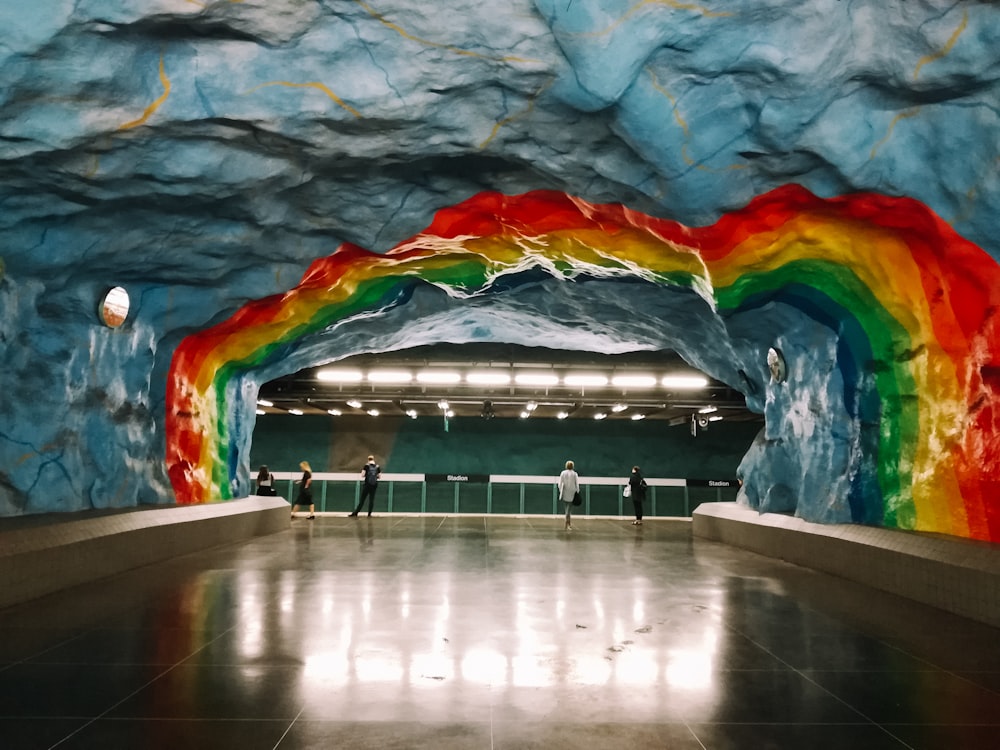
x,y
485,377
684,381
264,402
592,380
339,375
389,376
296,412
443,377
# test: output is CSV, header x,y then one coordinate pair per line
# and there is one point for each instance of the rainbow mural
x,y
915,307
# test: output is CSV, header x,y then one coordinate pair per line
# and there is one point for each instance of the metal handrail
x,y
286,480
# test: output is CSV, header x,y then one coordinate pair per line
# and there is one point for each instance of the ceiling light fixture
x,y
562,415
715,419
707,410
634,381
618,407
600,415
438,377
354,403
684,381
373,412
637,417
443,405
334,412
389,376
525,414
486,377
449,414
296,412
411,413
339,375
530,406
264,402
261,412
592,380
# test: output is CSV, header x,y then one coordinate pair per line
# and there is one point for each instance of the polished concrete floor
x,y
500,632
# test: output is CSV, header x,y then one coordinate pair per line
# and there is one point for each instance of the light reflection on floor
x,y
493,633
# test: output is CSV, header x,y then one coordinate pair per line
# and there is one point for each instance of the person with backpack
x,y
371,472
636,489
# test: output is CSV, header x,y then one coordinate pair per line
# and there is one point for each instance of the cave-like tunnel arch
x,y
885,317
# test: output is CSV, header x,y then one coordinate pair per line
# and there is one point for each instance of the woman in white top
x,y
265,482
569,485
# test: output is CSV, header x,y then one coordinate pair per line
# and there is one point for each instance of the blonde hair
x,y
305,465
569,464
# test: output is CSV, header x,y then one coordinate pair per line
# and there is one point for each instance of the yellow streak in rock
x,y
892,126
947,47
155,105
644,3
673,101
687,132
523,113
311,85
456,50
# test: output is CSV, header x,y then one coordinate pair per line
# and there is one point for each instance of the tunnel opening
x,y
847,427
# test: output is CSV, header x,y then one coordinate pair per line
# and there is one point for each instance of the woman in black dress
x,y
637,485
305,496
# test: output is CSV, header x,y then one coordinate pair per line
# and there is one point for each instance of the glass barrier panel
x,y
669,502
407,497
538,499
472,497
440,497
506,498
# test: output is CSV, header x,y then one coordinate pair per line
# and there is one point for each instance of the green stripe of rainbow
x,y
902,288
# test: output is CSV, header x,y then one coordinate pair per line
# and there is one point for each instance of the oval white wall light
x,y
114,307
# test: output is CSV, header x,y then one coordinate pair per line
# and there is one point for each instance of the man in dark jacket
x,y
370,472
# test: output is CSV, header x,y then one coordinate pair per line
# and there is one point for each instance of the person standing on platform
x,y
569,487
637,488
305,496
265,482
370,472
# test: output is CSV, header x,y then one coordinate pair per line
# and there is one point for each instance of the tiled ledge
x,y
39,558
958,575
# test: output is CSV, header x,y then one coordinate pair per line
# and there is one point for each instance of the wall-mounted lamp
x,y
114,307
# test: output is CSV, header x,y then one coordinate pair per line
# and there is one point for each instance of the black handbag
x,y
577,500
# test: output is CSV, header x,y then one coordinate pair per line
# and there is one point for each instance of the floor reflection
x,y
500,622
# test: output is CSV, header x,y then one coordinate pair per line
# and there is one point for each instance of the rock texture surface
x,y
203,155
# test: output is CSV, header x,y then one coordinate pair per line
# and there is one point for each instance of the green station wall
x,y
608,448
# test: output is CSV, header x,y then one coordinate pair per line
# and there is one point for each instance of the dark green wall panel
x,y
498,446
